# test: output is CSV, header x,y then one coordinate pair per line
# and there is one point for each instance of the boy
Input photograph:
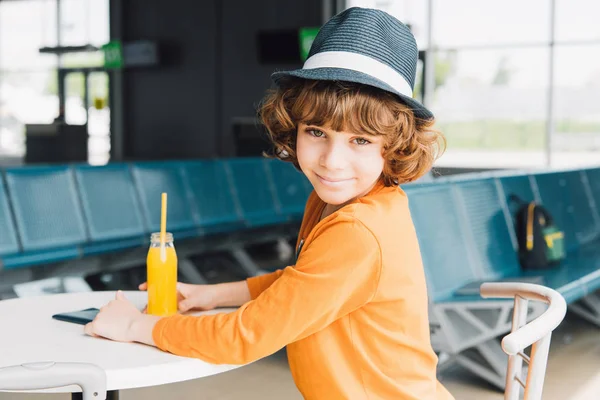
x,y
353,310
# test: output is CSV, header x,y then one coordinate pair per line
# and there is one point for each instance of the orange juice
x,y
162,277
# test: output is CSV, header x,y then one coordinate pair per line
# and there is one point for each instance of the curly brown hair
x,y
411,146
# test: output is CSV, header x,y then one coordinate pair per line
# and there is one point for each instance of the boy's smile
x,y
341,166
332,182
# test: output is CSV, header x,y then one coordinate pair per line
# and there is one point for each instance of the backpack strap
x,y
530,209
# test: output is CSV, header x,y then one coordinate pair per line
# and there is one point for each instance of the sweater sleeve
x,y
337,273
258,284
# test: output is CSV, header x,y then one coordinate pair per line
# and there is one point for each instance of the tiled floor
x,y
573,374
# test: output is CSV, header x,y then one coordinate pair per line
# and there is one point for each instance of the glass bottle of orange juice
x,y
162,276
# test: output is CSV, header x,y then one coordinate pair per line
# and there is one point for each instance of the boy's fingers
x,y
120,295
184,305
89,329
143,286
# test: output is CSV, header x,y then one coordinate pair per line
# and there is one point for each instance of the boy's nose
x,y
334,158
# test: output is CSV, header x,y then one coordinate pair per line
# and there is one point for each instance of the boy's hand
x,y
121,321
192,297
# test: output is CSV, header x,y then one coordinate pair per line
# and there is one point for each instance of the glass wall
x,y
28,91
29,79
515,84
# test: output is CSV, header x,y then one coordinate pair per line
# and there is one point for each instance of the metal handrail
x,y
536,333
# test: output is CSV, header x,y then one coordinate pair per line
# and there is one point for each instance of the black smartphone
x,y
80,317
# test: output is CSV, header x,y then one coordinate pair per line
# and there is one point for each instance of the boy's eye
x,y
316,133
361,141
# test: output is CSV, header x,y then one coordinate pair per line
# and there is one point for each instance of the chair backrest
x,y
564,195
8,240
445,246
47,375
46,206
290,187
255,191
154,178
593,180
487,224
536,333
519,185
212,195
109,201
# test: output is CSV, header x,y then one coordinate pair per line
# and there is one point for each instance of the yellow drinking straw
x,y
163,227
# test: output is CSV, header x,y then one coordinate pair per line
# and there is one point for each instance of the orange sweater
x,y
352,311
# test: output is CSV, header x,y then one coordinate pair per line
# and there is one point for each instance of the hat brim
x,y
348,75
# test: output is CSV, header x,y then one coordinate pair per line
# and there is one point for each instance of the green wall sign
x,y
306,36
113,55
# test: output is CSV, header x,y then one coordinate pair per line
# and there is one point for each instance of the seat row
x,y
61,212
466,231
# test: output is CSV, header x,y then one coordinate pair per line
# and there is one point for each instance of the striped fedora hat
x,y
365,46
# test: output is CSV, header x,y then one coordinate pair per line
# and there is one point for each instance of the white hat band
x,y
360,63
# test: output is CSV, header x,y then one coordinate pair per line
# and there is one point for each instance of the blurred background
x,y
513,84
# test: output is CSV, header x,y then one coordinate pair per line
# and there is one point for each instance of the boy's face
x,y
341,166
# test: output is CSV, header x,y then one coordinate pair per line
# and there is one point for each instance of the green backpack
x,y
541,242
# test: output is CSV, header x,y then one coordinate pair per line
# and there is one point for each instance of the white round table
x,y
28,333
